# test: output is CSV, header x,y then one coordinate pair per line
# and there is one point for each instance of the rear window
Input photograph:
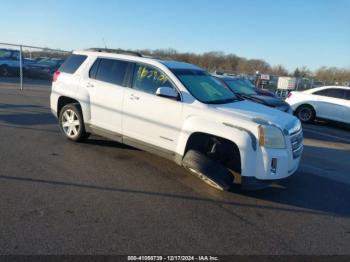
x,y
112,71
72,63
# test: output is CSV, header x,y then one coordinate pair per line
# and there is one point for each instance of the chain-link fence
x,y
22,65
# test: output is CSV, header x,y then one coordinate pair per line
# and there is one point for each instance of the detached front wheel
x,y
71,123
208,170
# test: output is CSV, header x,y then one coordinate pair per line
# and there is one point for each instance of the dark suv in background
x,y
243,88
35,68
42,68
9,62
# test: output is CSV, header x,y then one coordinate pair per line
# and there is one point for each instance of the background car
x,y
10,62
246,90
328,102
43,68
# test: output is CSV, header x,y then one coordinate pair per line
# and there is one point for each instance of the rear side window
x,y
112,71
94,68
332,92
72,63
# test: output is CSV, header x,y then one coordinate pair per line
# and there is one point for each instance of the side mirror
x,y
167,92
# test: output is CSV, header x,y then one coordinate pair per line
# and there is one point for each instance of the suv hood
x,y
253,111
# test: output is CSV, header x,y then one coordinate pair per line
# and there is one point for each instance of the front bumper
x,y
268,165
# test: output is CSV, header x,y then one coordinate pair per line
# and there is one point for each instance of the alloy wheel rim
x,y
70,123
206,179
305,114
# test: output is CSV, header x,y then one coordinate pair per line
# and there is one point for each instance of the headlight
x,y
271,137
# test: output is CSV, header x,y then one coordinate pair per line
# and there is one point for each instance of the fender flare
x,y
241,137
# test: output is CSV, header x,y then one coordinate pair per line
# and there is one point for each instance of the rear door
x,y
331,104
106,87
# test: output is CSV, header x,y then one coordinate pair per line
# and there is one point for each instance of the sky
x,y
292,33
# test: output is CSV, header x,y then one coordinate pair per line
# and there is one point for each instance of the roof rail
x,y
115,51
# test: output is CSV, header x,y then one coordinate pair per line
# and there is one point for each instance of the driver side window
x,y
148,79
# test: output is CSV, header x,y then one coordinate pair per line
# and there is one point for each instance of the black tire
x,y
306,113
4,71
81,133
210,171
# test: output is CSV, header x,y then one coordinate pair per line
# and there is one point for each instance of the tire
x,y
4,71
72,123
306,113
208,170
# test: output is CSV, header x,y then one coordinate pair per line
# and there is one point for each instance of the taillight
x,y
55,76
289,95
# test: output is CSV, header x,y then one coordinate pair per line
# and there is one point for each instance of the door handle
x,y
133,97
89,85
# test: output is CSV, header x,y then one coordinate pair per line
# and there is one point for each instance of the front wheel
x,y
71,123
208,170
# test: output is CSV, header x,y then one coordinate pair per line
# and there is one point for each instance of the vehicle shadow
x,y
329,124
28,119
100,141
11,106
25,115
318,188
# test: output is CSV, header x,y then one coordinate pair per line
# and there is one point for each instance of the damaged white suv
x,y
178,111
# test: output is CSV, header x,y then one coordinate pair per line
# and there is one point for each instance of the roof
x,y
133,56
325,87
172,64
8,49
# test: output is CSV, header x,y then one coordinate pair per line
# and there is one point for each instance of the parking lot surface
x,y
101,197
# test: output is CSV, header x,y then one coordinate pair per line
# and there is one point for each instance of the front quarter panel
x,y
242,138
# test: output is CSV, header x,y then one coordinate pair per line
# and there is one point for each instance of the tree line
x,y
230,63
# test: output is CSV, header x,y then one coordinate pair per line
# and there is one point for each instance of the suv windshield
x,y
205,87
241,86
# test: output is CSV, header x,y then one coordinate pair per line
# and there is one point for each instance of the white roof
x,y
133,58
312,90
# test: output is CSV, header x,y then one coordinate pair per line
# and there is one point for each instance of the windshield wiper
x,y
224,101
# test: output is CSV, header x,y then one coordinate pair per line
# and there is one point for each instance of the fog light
x,y
274,165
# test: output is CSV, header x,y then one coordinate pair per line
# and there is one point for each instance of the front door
x,y
147,117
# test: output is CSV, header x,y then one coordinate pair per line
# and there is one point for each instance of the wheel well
x,y
305,105
218,148
64,100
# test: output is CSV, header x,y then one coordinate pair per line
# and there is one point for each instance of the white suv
x,y
178,111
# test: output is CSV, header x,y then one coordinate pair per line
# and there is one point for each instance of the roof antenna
x,y
104,42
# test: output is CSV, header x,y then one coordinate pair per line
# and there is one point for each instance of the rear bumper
x,y
53,103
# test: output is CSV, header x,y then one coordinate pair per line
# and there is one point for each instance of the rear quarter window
x,y
72,63
332,92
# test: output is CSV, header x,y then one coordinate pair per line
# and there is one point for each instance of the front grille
x,y
296,140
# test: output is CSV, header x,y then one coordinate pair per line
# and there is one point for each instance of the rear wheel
x,y
208,170
71,123
4,71
306,113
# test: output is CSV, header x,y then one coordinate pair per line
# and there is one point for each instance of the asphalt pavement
x,y
101,197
